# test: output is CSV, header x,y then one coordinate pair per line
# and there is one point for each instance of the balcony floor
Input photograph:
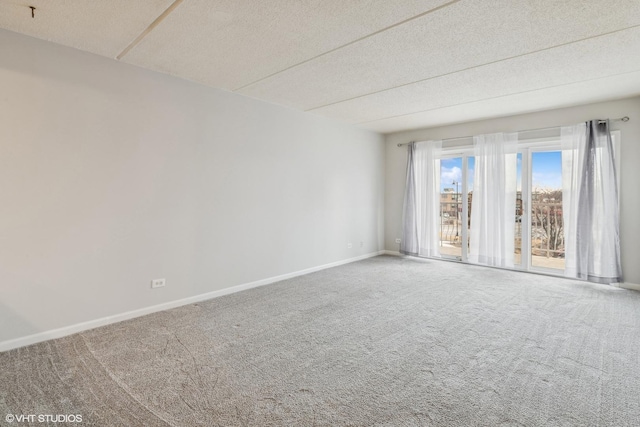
x,y
449,249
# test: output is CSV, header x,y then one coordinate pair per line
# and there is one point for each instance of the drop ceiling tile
x,y
587,60
462,35
453,62
103,27
608,88
231,43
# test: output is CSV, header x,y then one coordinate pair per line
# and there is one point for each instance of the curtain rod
x,y
621,119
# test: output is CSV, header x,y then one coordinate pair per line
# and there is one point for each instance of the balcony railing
x,y
547,234
547,229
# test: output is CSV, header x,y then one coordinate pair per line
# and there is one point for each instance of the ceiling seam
x,y
496,97
471,68
150,28
442,6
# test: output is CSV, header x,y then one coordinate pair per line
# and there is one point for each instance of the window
x,y
539,228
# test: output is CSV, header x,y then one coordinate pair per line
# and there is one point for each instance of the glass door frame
x,y
526,146
527,150
464,153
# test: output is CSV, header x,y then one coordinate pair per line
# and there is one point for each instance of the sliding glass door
x,y
518,214
450,221
545,214
539,232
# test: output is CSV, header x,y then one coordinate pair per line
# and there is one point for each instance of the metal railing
x,y
547,229
450,223
547,234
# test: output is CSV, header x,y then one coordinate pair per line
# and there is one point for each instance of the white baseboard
x,y
625,285
91,324
394,253
633,286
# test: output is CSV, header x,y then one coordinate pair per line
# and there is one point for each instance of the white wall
x,y
111,175
629,168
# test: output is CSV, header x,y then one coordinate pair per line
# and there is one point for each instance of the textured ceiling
x,y
383,65
104,27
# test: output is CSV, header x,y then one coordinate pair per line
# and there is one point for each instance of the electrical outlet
x,y
158,283
349,245
361,244
398,241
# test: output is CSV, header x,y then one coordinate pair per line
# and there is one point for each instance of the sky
x,y
546,167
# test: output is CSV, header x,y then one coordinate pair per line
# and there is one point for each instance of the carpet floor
x,y
386,341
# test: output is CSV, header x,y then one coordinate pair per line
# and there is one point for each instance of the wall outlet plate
x,y
398,241
158,283
349,245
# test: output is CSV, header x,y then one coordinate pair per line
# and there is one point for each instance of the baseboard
x,y
394,253
632,286
91,324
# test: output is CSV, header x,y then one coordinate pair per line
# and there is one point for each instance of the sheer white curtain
x,y
590,203
493,209
422,200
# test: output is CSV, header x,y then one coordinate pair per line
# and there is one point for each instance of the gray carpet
x,y
382,342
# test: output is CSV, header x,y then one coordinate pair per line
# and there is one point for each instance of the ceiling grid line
x,y
498,97
533,52
397,24
382,66
150,28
